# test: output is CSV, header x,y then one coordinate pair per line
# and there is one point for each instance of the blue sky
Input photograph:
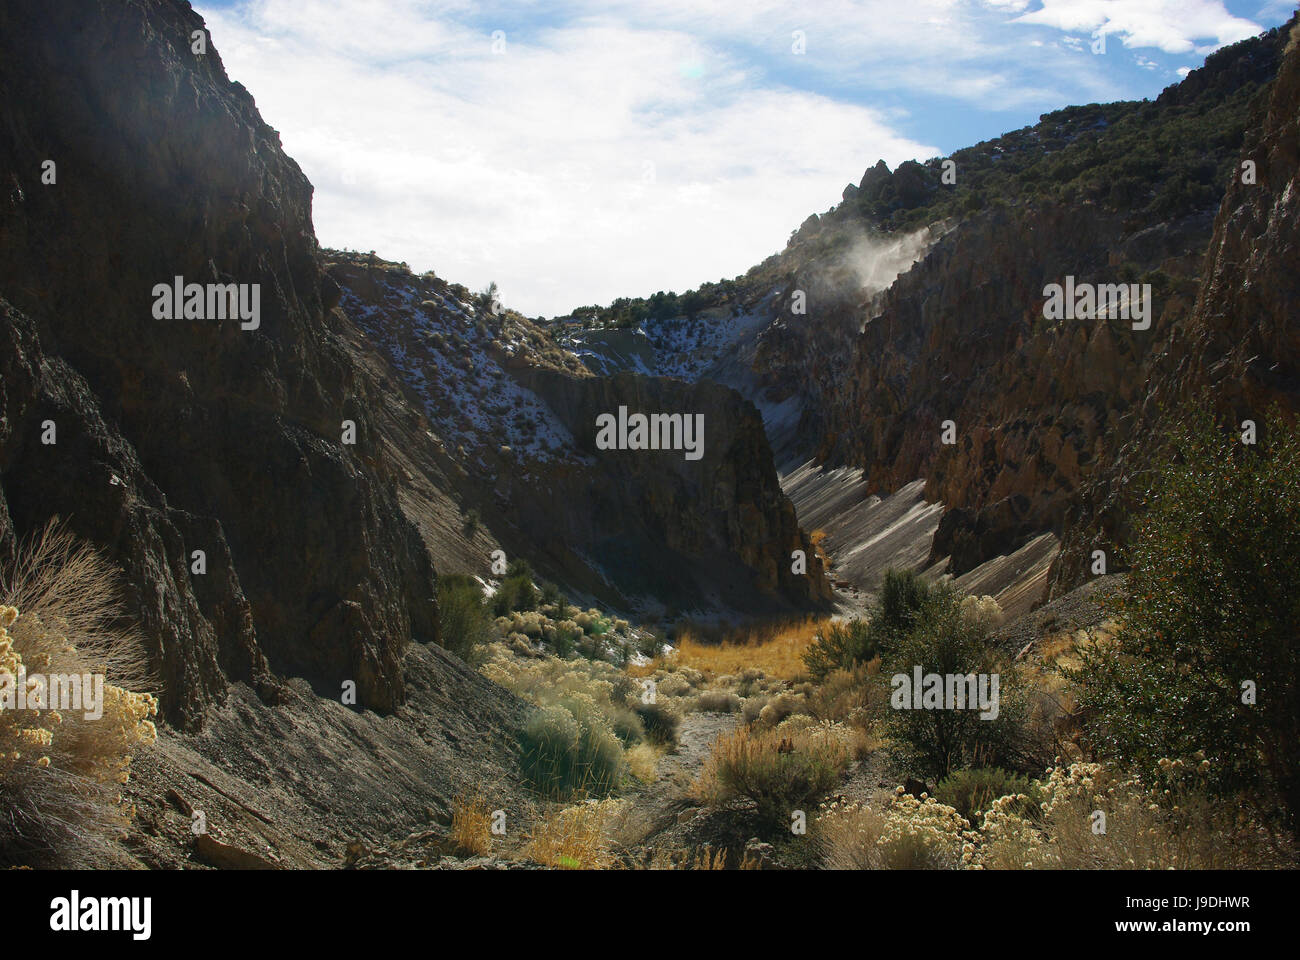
x,y
581,150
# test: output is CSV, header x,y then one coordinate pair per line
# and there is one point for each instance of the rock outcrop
x,y
128,159
702,533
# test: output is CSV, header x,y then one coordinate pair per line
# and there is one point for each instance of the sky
x,y
575,151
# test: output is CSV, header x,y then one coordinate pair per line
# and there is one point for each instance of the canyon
x,y
825,377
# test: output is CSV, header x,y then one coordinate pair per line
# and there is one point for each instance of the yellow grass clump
x,y
471,826
580,837
780,770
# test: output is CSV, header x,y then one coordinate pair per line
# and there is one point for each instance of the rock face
x,y
1243,338
1042,411
1240,345
716,531
188,434
962,338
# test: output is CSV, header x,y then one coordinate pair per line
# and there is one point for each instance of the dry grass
x,y
775,649
704,858
779,770
471,826
642,761
581,837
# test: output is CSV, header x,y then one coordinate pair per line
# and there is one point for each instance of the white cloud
x,y
582,165
1174,26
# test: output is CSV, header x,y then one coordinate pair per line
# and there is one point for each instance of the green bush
x,y
971,792
894,612
551,594
462,616
660,722
839,646
565,641
515,593
566,755
472,521
898,607
935,742
1210,603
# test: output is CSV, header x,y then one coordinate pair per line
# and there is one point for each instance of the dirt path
x,y
664,800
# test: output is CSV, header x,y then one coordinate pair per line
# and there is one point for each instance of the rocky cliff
x,y
703,533
1239,347
128,159
1031,403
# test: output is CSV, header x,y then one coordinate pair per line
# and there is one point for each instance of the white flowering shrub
x,y
983,609
61,770
906,833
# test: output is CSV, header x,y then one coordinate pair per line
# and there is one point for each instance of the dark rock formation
x,y
185,434
508,431
707,532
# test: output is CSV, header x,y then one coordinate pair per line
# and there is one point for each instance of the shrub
x,y
948,641
898,608
60,771
971,792
894,614
840,646
472,521
717,701
583,754
471,821
515,593
779,773
564,755
566,638
550,594
627,726
577,837
848,696
660,723
906,833
463,618
642,762
753,709
1147,827
1211,601
778,708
